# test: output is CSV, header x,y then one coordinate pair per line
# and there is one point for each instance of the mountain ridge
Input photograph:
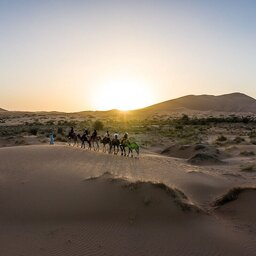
x,y
232,102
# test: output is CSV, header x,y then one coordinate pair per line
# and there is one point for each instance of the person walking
x,y
51,138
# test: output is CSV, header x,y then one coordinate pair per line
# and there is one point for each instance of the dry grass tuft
x,y
247,153
248,168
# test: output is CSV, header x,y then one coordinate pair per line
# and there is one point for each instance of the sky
x,y
86,55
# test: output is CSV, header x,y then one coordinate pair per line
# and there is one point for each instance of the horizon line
x,y
116,109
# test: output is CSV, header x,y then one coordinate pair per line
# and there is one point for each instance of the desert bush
x,y
253,141
252,134
248,168
11,130
72,123
185,119
179,127
221,138
50,122
20,142
60,130
83,124
238,140
199,147
33,130
98,125
247,153
215,120
61,138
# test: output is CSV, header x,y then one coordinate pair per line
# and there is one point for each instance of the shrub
x,y
252,134
33,131
238,140
221,138
61,138
50,122
247,153
185,119
248,168
60,130
20,142
98,125
179,127
253,141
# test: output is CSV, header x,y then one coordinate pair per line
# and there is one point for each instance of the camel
x,y
125,143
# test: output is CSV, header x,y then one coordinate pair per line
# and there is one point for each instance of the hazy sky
x,y
77,55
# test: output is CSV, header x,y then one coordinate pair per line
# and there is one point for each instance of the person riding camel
x,y
71,132
125,137
116,136
107,135
86,132
94,134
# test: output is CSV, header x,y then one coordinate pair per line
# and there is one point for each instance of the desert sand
x,y
61,200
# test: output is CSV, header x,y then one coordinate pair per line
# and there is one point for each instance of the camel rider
x,y
94,134
86,132
116,135
125,137
107,135
71,132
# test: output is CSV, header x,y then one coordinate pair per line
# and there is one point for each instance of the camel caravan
x,y
109,145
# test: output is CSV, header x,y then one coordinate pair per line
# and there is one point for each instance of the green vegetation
x,y
239,140
221,138
247,153
98,125
248,168
33,130
60,130
147,131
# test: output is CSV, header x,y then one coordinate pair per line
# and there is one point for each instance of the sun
x,y
123,94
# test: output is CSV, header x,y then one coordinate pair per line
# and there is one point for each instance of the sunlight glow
x,y
123,94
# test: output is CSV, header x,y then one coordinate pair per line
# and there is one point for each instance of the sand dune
x,y
60,201
204,159
238,204
199,154
189,151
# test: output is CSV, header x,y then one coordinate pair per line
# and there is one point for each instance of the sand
x,y
60,200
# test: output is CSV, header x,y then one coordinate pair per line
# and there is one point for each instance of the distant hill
x,y
234,102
